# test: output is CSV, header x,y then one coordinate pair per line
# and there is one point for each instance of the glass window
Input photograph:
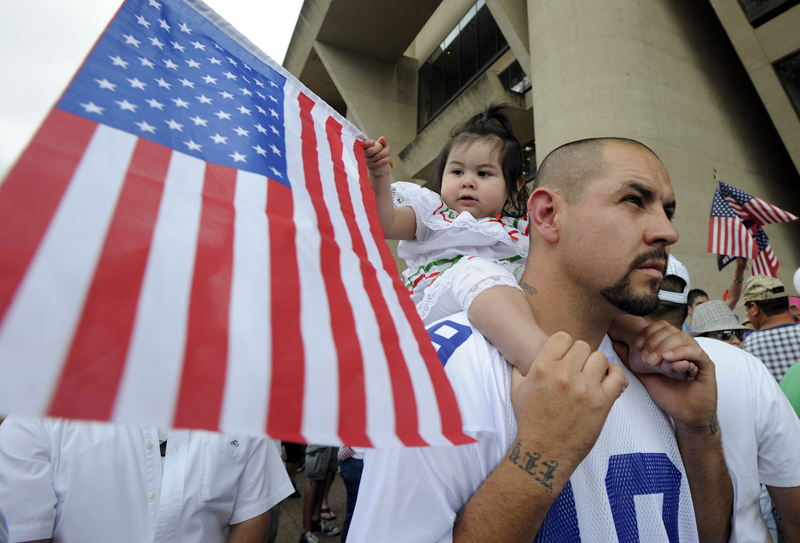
x,y
760,11
451,62
788,70
468,30
437,83
471,47
424,98
487,33
514,78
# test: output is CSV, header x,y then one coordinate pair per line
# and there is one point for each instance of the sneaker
x,y
323,528
294,494
308,537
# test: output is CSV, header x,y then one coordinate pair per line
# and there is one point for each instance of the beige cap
x,y
714,316
762,287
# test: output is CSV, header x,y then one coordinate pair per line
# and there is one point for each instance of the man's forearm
x,y
254,530
787,502
709,480
512,503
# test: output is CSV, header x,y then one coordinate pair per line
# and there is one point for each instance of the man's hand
x,y
692,404
693,407
561,407
565,398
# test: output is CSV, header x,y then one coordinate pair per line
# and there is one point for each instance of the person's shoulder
x,y
461,347
728,357
405,193
475,368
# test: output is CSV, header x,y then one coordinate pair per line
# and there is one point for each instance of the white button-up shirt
x,y
78,481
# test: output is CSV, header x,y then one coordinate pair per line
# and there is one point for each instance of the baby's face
x,y
473,179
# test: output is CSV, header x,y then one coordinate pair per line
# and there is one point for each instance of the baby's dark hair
x,y
481,127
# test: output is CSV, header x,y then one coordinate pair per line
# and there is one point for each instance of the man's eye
x,y
633,199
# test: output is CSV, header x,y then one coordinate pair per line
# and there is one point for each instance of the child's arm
x,y
397,223
503,316
628,329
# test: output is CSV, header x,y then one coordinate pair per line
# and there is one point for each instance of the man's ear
x,y
543,206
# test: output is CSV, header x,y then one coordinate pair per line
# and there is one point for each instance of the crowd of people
x,y
607,399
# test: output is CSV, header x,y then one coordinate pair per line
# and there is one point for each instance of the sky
x,y
44,42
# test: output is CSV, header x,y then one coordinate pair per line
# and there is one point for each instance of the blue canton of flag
x,y
720,208
156,73
727,235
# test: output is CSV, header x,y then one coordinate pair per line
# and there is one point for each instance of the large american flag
x,y
190,241
735,228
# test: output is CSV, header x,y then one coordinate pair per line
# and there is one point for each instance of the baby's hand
x,y
680,369
379,157
652,352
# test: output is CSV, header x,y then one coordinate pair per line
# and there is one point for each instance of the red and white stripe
x,y
728,236
139,284
766,263
760,211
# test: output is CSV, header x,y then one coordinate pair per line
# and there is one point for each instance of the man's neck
x,y
558,307
777,320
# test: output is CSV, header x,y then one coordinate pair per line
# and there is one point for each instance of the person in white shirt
x,y
563,454
71,481
761,434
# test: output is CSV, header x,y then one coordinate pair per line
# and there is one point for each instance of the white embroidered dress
x,y
455,256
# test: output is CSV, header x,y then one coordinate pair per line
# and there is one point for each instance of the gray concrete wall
x,y
663,72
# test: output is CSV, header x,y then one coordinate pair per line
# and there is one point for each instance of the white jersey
x,y
760,432
631,487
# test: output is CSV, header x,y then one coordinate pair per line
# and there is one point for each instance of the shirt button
x,y
148,446
151,495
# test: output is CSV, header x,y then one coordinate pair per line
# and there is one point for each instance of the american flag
x,y
727,235
190,241
735,228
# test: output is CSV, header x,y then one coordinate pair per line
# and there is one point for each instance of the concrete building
x,y
712,86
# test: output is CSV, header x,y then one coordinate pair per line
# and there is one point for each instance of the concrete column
x,y
381,100
381,96
663,72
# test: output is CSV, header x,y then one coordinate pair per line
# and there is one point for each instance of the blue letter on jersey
x,y
636,474
561,523
449,336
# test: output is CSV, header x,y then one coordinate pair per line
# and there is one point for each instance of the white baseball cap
x,y
674,267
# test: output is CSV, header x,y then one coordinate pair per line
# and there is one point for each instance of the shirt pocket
x,y
223,460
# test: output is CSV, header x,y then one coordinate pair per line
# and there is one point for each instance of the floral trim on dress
x,y
436,215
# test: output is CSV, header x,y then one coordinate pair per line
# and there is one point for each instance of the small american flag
x,y
735,228
727,235
190,241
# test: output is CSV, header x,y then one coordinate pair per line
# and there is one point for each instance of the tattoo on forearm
x,y
527,288
714,426
529,462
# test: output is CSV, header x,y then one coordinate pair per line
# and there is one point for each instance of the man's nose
x,y
662,231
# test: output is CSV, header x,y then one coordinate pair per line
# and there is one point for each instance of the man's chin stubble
x,y
622,296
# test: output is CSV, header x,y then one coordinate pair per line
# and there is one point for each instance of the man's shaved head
x,y
568,169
